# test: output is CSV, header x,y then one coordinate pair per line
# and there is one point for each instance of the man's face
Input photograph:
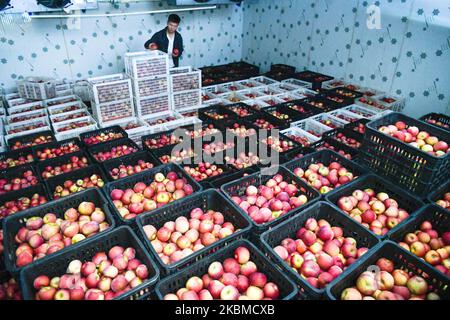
x,y
172,27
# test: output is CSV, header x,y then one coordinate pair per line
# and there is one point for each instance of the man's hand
x,y
153,46
175,53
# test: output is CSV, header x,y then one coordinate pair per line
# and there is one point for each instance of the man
x,y
168,40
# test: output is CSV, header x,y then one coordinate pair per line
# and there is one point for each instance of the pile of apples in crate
x,y
135,184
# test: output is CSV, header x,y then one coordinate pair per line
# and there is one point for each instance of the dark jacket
x,y
160,38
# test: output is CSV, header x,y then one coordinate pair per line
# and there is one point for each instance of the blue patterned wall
x,y
408,56
53,48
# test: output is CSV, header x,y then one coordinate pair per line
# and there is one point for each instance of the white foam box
x,y
186,99
145,64
26,107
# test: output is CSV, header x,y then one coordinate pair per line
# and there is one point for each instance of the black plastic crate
x,y
56,265
205,113
59,180
205,124
238,188
326,157
438,117
131,159
320,210
17,172
400,173
158,136
279,67
346,93
13,223
28,192
171,284
232,176
402,260
14,155
26,139
107,146
56,144
278,124
206,200
146,177
405,200
295,105
242,105
427,169
107,130
338,147
438,216
439,192
59,161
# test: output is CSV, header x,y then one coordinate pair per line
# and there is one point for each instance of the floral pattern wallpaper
x,y
88,47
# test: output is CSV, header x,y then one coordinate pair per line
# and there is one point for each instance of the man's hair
x,y
174,18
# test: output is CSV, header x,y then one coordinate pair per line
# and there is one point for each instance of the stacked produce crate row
x,y
149,72
186,89
69,117
135,129
111,98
